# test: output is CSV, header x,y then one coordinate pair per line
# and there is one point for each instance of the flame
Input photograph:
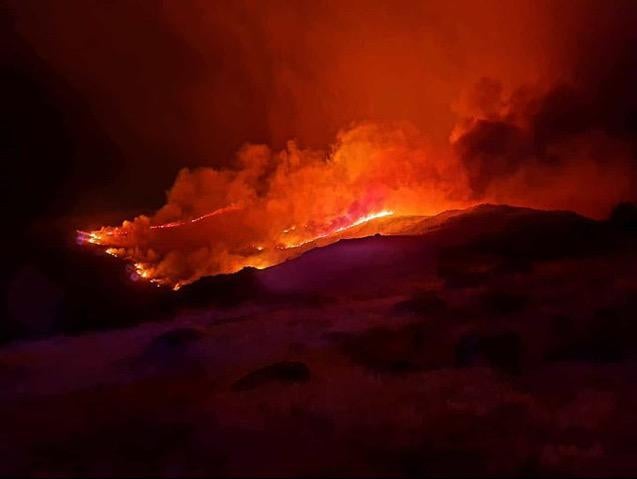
x,y
364,219
275,205
177,224
146,271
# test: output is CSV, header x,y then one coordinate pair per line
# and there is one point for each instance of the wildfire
x,y
367,218
274,206
176,224
277,205
147,272
364,219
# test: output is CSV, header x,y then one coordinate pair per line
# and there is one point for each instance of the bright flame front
x,y
275,206
112,240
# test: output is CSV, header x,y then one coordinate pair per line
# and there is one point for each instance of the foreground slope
x,y
498,340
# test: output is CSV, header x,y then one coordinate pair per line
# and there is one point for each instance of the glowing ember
x,y
367,218
275,205
278,205
176,224
146,271
359,221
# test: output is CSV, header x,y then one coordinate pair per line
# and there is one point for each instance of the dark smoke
x,y
593,104
174,84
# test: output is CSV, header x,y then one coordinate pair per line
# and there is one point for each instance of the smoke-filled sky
x,y
109,99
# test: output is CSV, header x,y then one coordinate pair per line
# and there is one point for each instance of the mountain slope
x,y
498,341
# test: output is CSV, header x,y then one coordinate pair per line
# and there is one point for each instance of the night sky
x,y
104,102
401,237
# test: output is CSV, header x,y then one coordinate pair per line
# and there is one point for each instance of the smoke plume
x,y
366,107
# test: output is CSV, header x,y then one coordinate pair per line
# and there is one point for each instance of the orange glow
x,y
176,224
364,219
278,204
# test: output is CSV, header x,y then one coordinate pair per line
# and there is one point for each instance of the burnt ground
x,y
500,342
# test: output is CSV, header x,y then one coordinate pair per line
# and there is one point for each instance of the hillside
x,y
497,340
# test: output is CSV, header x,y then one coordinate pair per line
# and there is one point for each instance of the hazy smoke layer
x,y
433,105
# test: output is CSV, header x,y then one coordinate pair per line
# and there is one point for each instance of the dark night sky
x,y
107,100
507,334
103,102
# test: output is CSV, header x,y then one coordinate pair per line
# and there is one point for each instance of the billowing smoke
x,y
561,148
186,83
570,142
434,105
262,210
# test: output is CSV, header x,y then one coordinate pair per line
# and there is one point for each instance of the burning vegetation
x,y
525,117
423,264
271,206
275,205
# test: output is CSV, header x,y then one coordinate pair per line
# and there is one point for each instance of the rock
x,y
421,303
177,338
171,349
502,351
625,215
284,372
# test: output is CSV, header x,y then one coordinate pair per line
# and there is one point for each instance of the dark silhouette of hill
x,y
492,341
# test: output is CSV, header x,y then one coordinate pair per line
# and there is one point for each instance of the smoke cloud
x,y
365,106
565,143
260,211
